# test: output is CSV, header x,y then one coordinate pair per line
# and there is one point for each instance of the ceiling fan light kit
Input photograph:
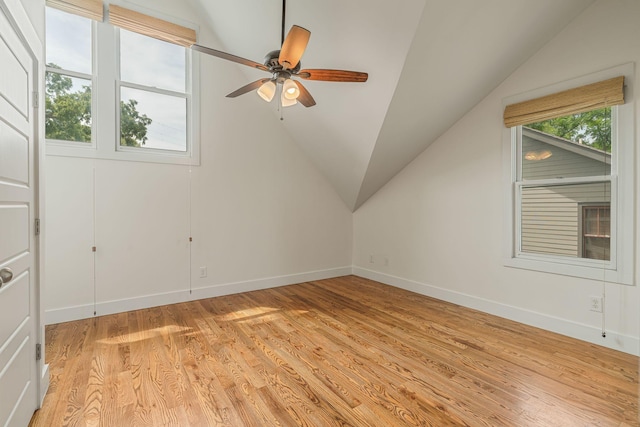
x,y
290,89
267,91
287,102
284,64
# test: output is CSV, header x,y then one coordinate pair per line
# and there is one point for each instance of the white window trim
x,y
105,142
621,267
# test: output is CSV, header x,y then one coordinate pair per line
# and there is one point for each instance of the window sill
x,y
603,272
90,151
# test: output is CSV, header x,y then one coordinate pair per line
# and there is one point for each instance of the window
x,y
151,115
69,77
596,232
570,198
153,106
574,148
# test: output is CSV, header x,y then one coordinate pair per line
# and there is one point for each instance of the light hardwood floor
x,y
338,352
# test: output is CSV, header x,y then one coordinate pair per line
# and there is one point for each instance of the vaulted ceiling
x,y
429,63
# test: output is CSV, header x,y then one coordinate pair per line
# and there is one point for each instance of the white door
x,y
18,379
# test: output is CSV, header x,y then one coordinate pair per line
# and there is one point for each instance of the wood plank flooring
x,y
338,352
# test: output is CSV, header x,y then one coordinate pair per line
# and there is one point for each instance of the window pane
x,y
596,248
590,221
605,221
151,62
571,146
596,221
152,120
68,41
551,217
68,108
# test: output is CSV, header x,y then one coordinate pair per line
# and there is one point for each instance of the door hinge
x,y
36,226
36,100
38,351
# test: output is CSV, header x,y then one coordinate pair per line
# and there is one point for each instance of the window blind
x,y
150,26
91,9
606,93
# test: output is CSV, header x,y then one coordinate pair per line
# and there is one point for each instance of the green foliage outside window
x,y
133,125
68,113
592,128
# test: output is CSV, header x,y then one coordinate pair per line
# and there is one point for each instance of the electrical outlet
x,y
371,260
595,304
203,272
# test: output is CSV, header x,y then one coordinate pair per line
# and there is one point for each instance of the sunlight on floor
x,y
144,335
253,313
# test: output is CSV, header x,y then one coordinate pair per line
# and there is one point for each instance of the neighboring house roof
x,y
572,146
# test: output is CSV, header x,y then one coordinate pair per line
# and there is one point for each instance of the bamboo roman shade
x,y
150,26
573,101
91,9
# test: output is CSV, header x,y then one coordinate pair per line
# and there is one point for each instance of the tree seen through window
x,y
592,128
68,112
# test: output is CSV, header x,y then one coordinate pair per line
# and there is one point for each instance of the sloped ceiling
x,y
429,62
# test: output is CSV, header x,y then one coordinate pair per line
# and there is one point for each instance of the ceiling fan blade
x,y
293,47
333,75
228,57
305,97
248,88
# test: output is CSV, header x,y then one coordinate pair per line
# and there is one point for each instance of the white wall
x,y
35,11
260,213
439,223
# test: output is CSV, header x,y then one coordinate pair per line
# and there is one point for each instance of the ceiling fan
x,y
284,64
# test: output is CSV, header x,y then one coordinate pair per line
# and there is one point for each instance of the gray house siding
x,y
551,216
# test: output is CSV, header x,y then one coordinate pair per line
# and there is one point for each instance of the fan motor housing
x,y
271,62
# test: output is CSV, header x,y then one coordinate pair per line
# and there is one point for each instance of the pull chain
x,y
280,106
607,110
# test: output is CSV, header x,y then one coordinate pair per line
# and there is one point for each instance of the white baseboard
x,y
620,342
68,314
613,340
270,282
